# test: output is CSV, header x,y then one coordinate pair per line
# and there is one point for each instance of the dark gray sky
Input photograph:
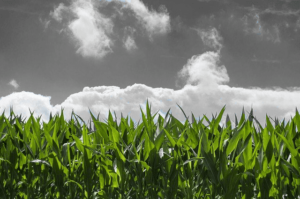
x,y
233,52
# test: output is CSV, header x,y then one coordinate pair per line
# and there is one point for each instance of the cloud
x,y
129,43
128,39
205,92
203,70
271,24
277,102
155,23
14,84
21,102
92,30
58,11
254,25
211,38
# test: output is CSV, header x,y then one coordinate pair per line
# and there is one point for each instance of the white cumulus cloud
x,y
153,21
204,97
204,70
89,29
22,102
205,92
92,30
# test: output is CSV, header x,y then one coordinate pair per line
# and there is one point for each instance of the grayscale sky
x,y
114,55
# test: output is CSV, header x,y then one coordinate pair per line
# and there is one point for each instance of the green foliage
x,y
167,160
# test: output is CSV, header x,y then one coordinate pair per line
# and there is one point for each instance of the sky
x,y
114,55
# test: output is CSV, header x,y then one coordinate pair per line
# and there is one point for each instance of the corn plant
x,y
167,160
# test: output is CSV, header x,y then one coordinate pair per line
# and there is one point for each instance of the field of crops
x,y
167,160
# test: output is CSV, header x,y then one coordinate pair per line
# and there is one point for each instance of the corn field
x,y
166,160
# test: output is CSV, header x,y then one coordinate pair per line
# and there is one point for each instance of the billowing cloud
x,y
93,31
205,92
14,83
90,29
22,102
154,22
203,70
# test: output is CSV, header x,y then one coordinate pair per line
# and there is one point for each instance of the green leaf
x,y
173,143
159,140
72,181
235,139
293,151
78,143
269,125
2,159
269,151
210,165
183,112
37,161
192,159
120,154
115,134
88,170
145,122
100,129
217,121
